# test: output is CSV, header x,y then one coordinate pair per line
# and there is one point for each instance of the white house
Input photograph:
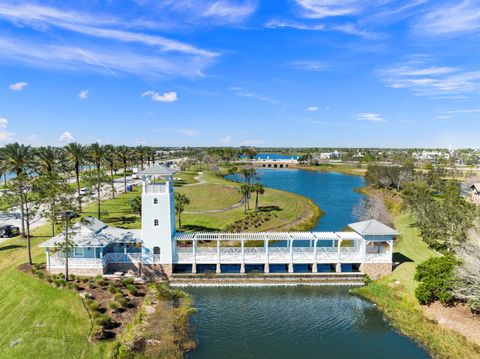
x,y
159,249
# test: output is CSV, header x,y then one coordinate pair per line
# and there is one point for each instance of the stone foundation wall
x,y
121,267
86,272
376,270
156,272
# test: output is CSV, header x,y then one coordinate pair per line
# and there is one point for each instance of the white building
x,y
158,248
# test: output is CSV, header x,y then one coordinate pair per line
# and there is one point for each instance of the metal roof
x,y
157,170
271,236
92,232
373,227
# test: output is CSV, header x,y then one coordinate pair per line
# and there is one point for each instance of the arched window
x,y
155,200
156,250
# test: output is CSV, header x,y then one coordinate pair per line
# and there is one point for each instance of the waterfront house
x,y
158,249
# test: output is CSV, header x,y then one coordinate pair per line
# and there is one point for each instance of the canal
x,y
297,322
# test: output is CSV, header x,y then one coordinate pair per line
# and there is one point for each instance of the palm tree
x,y
258,188
151,152
76,153
245,190
47,160
96,153
180,202
110,159
141,152
248,173
123,153
18,159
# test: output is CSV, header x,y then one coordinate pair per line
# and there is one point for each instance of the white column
x,y
219,268
364,250
339,250
267,265
290,265
390,243
194,261
48,257
242,264
314,265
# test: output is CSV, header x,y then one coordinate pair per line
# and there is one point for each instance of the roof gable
x,y
158,170
373,227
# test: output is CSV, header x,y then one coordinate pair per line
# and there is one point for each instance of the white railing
x,y
378,257
122,257
57,261
156,188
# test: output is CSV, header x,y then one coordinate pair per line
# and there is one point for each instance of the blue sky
x,y
383,73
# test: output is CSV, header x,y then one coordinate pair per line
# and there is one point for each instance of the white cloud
x,y
18,86
312,109
308,65
452,19
242,92
83,94
228,11
66,137
433,81
316,9
226,140
123,50
273,24
370,116
166,97
4,134
190,133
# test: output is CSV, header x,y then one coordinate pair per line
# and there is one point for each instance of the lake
x,y
297,322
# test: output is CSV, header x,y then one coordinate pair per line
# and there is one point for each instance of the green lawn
x,y
395,295
48,322
186,177
208,196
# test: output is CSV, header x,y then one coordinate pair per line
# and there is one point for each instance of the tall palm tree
x,y
124,153
96,153
110,159
181,201
19,159
258,188
141,152
151,152
245,190
48,160
77,154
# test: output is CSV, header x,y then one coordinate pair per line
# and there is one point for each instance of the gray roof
x,y
92,232
158,170
373,227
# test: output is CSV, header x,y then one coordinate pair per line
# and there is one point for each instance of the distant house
x,y
475,193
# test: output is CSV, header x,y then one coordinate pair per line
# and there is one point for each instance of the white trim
x,y
78,255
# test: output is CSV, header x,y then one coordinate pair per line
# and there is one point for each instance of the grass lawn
x,y
46,322
395,295
206,196
186,177
117,212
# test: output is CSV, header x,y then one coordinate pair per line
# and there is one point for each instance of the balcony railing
x,y
57,261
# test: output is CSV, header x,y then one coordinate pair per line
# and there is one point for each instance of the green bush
x,y
36,266
118,296
103,320
100,281
127,281
113,306
436,277
84,279
40,275
132,289
111,288
93,305
122,302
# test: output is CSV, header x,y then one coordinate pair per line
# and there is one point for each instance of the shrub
x,y
84,279
40,275
70,285
111,288
122,302
100,281
36,266
127,281
49,279
113,306
72,276
103,320
436,277
132,289
94,306
118,296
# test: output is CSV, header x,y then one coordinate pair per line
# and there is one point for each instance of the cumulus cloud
x,y
226,140
83,94
312,109
4,134
18,86
66,137
370,116
165,97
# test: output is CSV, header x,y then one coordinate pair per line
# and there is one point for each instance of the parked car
x,y
9,231
71,214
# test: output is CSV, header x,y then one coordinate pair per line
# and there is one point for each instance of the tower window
x,y
155,222
155,200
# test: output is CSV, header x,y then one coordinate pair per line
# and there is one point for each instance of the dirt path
x,y
198,178
458,318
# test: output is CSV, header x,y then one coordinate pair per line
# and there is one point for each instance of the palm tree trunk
x,y
22,213
113,182
179,220
256,202
67,249
29,248
98,190
125,176
77,175
245,203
